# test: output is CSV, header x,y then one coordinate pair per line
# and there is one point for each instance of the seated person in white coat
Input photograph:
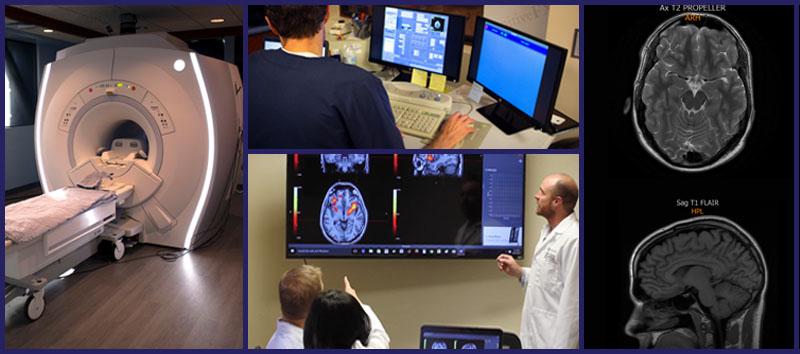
x,y
338,320
550,310
297,290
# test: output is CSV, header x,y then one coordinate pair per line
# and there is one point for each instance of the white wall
x,y
405,293
562,22
531,19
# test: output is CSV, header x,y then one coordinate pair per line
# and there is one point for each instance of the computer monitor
x,y
272,43
450,206
444,337
521,71
424,40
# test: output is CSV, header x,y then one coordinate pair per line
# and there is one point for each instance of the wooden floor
x,y
195,302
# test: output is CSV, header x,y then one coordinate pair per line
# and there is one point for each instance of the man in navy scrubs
x,y
300,99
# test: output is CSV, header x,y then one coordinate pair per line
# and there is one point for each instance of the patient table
x,y
49,234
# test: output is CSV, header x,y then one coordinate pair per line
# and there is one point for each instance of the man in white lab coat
x,y
550,311
297,289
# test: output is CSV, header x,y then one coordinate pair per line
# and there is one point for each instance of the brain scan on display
x,y
439,345
469,346
345,163
438,164
697,283
343,216
693,94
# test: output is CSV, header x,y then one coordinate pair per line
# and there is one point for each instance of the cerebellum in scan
x,y
698,283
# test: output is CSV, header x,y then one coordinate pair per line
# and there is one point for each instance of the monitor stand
x,y
403,76
506,118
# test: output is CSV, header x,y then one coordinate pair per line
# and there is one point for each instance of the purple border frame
x,y
579,151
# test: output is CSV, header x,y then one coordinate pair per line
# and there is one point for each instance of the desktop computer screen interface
x,y
523,71
417,39
512,65
434,337
413,38
272,44
405,205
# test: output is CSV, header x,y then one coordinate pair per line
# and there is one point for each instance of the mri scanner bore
x,y
698,283
693,93
142,117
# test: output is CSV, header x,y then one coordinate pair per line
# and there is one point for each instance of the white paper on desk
x,y
476,92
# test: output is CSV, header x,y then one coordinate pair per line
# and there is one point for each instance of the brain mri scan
x,y
693,94
345,163
439,345
438,164
469,346
698,283
343,217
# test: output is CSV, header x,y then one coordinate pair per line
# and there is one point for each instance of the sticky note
x,y
437,82
419,77
476,92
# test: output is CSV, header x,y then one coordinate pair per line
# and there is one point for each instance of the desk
x,y
495,139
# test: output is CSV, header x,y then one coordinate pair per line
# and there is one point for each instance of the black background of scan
x,y
630,194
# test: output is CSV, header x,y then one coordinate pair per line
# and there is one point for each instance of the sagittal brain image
x,y
343,218
438,164
693,93
345,163
439,345
698,283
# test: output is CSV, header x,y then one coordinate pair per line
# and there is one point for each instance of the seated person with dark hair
x,y
338,320
299,99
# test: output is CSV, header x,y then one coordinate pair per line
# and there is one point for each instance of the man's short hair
x,y
567,191
296,21
297,290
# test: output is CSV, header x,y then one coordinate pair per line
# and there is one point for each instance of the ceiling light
x,y
47,30
217,20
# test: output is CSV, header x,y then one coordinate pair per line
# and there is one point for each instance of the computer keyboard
x,y
417,111
417,121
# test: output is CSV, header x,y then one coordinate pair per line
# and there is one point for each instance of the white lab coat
x,y
378,338
286,336
550,311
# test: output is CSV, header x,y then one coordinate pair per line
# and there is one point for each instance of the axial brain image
x,y
698,283
438,164
693,94
344,163
343,217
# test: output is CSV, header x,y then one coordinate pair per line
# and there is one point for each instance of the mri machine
x,y
148,120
